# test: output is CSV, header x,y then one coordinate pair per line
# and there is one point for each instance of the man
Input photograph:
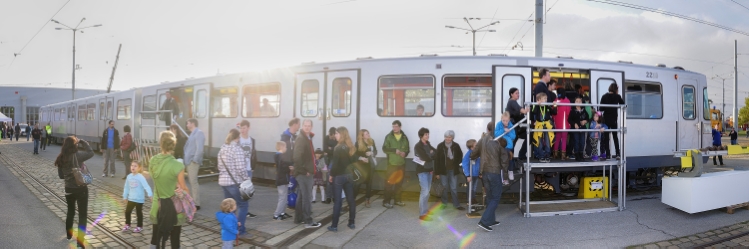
x,y
37,135
304,170
250,154
266,109
28,132
396,147
49,134
169,105
419,110
43,141
287,158
734,136
494,160
194,158
18,131
541,86
446,167
110,143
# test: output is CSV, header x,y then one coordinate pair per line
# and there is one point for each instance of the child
x,y
595,136
133,194
473,167
504,126
717,142
282,182
560,122
541,115
319,182
229,223
578,119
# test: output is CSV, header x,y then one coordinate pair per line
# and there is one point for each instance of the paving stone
x,y
663,243
651,247
687,245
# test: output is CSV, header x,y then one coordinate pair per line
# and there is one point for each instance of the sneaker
x,y
387,205
313,225
511,176
495,223
617,158
104,175
332,229
594,158
400,203
280,217
485,227
125,228
314,201
602,157
250,215
286,216
352,226
425,218
460,208
112,176
137,230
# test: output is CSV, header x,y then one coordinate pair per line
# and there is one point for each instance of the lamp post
x,y
472,30
74,30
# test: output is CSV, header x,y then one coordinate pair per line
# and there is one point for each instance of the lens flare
x,y
464,238
396,177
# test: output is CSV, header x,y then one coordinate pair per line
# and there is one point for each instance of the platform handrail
x,y
511,128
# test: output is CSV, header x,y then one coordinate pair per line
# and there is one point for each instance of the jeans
x,y
138,211
734,142
303,210
543,150
173,236
343,183
471,189
36,146
77,196
449,182
579,142
192,177
493,193
227,245
394,183
241,212
425,181
109,156
283,192
28,134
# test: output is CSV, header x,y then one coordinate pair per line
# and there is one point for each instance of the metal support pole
x,y
474,42
73,65
539,28
735,84
527,167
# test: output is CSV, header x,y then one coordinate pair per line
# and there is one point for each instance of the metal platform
x,y
569,207
572,163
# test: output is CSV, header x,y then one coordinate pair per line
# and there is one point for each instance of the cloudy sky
x,y
174,40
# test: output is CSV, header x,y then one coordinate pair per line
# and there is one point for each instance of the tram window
x,y
124,108
261,100
102,110
508,82
71,113
644,100
603,87
201,104
467,96
688,102
341,101
149,105
90,114
402,95
310,98
110,109
225,102
57,114
705,105
82,112
63,115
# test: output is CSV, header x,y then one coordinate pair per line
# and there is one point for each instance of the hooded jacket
x,y
287,158
229,227
67,168
441,160
304,156
391,144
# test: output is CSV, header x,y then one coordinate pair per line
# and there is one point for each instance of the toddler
x,y
595,136
229,222
319,182
135,184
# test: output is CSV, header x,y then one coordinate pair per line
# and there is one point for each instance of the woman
x,y
127,146
446,167
517,113
179,150
168,174
425,152
610,117
340,176
366,151
329,144
68,159
232,172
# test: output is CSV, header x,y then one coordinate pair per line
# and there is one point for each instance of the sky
x,y
174,40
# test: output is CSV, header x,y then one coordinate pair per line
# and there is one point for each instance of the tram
x,y
668,108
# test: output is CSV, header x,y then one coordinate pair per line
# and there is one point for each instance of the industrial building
x,y
22,103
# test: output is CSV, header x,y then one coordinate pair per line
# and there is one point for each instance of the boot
x,y
554,154
564,155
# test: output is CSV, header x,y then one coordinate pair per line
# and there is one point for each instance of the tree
x,y
744,112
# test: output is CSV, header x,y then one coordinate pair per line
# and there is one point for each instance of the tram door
x,y
105,114
688,127
341,100
71,119
200,110
310,105
505,78
599,85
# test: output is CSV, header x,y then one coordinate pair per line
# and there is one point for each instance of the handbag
x,y
246,189
81,174
356,175
183,202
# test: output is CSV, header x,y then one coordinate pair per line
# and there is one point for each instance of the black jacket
x,y
105,137
538,115
304,156
734,135
287,158
81,156
282,171
170,104
179,151
36,134
328,147
610,114
341,160
426,153
441,160
577,117
541,87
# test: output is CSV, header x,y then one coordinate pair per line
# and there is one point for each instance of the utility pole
x,y
735,83
723,110
539,28
111,78
472,30
76,29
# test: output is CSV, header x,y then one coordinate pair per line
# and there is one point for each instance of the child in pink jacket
x,y
560,122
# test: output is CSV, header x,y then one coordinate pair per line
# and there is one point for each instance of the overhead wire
x,y
37,32
739,4
482,37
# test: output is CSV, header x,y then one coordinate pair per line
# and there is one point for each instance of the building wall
x,y
22,103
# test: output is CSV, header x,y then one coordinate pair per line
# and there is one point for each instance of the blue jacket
x,y
194,147
229,226
134,186
510,137
467,163
596,134
716,138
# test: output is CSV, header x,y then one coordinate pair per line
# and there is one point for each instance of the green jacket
x,y
391,144
164,170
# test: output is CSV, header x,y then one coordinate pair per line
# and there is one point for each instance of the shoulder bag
x,y
183,202
246,189
81,174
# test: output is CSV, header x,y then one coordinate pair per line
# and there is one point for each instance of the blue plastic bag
x,y
291,197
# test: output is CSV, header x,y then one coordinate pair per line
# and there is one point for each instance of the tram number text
x,y
651,75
